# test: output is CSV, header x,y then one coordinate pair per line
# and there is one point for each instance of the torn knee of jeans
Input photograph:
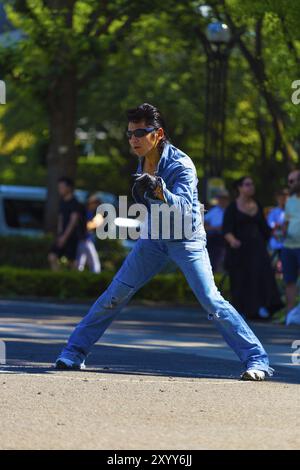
x,y
117,293
113,302
214,316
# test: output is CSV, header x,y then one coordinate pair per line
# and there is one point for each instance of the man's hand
x,y
146,182
235,243
96,222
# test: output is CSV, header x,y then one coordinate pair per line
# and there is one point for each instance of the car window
x,y
24,213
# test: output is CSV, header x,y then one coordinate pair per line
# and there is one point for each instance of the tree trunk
x,y
62,154
257,66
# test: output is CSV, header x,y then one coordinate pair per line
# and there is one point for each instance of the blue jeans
x,y
145,260
290,258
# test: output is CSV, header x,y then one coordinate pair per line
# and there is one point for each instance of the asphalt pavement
x,y
161,377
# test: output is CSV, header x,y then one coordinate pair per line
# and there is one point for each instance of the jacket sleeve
x,y
181,196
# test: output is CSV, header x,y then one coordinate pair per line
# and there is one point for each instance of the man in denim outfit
x,y
165,177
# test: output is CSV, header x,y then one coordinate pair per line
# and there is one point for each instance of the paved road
x,y
160,378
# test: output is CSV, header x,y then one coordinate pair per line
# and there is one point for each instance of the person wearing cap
x,y
213,221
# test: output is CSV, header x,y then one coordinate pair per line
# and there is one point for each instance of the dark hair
x,y
68,181
151,116
238,183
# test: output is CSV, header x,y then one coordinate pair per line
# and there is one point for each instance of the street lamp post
x,y
219,44
2,92
89,136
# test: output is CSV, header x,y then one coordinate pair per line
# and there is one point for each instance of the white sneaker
x,y
63,363
253,374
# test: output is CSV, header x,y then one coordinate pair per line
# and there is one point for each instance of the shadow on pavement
x,y
29,357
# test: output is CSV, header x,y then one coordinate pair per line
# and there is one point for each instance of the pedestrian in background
x,y
213,222
253,286
291,244
71,227
276,221
86,252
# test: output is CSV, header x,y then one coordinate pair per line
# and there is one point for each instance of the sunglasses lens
x,y
137,133
140,132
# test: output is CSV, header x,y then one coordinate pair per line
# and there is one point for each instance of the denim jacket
x,y
178,178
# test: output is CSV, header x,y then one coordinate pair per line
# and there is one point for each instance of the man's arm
x,y
95,222
181,196
232,240
74,218
287,217
60,224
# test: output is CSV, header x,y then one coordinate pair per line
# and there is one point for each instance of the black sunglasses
x,y
139,132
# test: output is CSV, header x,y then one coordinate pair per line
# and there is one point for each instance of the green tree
x,y
266,35
113,55
266,54
65,44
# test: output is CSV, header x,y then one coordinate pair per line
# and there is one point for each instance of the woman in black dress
x,y
253,286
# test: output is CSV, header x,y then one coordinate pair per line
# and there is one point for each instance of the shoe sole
x,y
250,378
60,365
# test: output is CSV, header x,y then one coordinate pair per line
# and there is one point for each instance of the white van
x,y
22,208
